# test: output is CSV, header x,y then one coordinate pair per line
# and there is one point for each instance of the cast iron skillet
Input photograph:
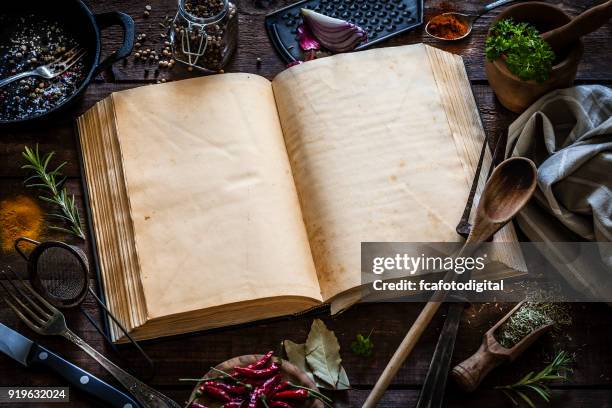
x,y
85,26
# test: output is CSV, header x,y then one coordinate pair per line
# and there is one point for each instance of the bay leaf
x,y
342,384
296,353
343,381
322,352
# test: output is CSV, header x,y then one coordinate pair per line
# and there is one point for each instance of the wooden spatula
x,y
510,187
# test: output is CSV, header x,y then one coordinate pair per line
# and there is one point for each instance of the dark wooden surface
x,y
589,336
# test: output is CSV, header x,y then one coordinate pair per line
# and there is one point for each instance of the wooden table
x,y
590,335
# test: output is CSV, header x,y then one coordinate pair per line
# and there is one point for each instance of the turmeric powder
x,y
20,216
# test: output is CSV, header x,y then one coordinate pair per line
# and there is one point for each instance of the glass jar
x,y
204,33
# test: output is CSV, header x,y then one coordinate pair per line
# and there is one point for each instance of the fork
x,y
52,69
40,316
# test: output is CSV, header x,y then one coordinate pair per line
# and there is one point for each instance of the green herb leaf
x,y
535,382
526,399
362,346
526,54
58,196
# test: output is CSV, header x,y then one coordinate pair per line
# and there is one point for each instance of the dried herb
x,y
362,346
296,354
319,357
530,317
53,181
535,383
323,352
527,55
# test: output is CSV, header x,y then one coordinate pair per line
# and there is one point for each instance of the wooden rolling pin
x,y
563,37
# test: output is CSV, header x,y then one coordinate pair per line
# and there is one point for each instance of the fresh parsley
x,y
527,55
362,346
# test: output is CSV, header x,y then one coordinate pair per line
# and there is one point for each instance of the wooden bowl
x,y
288,371
516,94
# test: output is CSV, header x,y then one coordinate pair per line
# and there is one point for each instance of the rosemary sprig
x,y
53,181
535,382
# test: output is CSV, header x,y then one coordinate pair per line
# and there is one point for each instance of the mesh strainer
x,y
59,272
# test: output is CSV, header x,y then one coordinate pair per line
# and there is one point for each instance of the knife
x,y
28,353
432,394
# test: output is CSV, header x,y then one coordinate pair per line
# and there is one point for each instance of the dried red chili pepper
x,y
255,398
299,394
279,404
261,373
214,392
262,362
267,389
197,405
283,385
259,364
229,388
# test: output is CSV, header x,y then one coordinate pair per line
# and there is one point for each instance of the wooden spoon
x,y
563,37
510,187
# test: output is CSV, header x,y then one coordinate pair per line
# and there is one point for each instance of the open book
x,y
225,199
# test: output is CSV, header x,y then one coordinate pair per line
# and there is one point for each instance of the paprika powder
x,y
447,26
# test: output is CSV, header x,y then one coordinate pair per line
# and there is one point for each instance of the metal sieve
x,y
59,272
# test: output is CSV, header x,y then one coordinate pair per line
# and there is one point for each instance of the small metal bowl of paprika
x,y
454,26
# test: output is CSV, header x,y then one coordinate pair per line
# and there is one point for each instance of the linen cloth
x,y
568,134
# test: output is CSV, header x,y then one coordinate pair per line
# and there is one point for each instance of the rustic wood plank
x,y
254,43
407,398
355,398
404,398
192,354
589,336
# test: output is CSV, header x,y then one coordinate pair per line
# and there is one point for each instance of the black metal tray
x,y
381,19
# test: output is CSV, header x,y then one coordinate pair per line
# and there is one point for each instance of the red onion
x,y
307,40
334,34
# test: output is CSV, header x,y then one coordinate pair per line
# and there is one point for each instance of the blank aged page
x,y
215,212
372,155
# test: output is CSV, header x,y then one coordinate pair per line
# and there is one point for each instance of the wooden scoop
x,y
563,37
470,373
510,187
